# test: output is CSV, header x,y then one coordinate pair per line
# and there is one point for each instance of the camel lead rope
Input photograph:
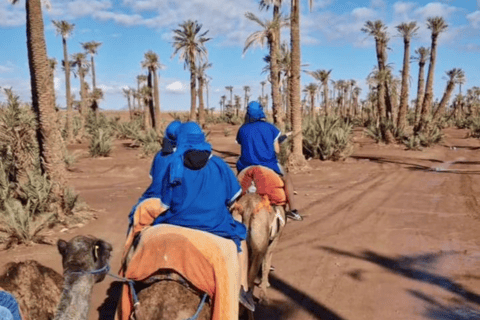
x,y
199,309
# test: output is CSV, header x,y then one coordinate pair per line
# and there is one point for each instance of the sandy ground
x,y
387,234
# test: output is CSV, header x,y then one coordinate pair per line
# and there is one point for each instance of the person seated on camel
x,y
159,165
196,192
260,143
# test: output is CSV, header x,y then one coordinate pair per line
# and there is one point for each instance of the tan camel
x,y
43,294
264,229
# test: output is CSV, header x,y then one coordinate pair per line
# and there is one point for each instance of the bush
x,y
101,143
327,138
150,141
474,126
430,136
129,130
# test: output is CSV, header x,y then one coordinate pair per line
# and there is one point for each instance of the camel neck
x,y
75,299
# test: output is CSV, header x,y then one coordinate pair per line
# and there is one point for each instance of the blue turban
x,y
8,302
254,112
170,137
190,137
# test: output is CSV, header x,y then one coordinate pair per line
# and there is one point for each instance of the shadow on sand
x,y
316,309
107,310
450,311
413,267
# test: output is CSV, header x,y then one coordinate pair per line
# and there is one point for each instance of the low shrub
x,y
327,138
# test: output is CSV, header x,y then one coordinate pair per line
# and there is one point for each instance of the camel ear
x,y
101,249
62,246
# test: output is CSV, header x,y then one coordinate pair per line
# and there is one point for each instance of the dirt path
x,y
387,234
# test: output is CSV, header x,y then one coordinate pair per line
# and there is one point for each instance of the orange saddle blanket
x,y
266,182
208,261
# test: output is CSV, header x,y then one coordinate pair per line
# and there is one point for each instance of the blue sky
x,y
331,39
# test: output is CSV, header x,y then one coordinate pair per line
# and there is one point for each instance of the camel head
x,y
85,254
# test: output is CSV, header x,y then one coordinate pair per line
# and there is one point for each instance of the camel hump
x,y
265,182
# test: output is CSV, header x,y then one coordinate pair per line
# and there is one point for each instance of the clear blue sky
x,y
331,39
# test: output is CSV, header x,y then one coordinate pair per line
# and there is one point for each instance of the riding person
x,y
259,141
159,165
200,189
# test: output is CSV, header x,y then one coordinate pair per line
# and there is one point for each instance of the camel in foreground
x,y
43,294
265,223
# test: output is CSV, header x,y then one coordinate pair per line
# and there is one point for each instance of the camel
x,y
43,294
264,229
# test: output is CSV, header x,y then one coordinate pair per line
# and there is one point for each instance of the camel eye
x,y
95,252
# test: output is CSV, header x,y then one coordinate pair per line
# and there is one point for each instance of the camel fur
x,y
265,225
43,294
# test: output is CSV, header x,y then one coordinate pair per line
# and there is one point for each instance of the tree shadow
x,y
107,309
317,310
411,267
275,310
441,311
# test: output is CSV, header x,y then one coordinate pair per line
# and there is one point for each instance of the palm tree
x,y
407,31
238,104
43,102
351,86
294,86
311,90
52,63
152,64
230,88
201,76
141,78
378,30
222,103
263,83
422,56
80,62
65,29
127,93
91,48
190,43
454,76
145,94
437,25
247,97
268,35
322,76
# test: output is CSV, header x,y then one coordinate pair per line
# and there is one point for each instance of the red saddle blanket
x,y
266,182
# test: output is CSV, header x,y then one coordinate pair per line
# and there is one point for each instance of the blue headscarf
x,y
254,112
170,137
10,303
190,137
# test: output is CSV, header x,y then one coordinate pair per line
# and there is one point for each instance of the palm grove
x,y
33,186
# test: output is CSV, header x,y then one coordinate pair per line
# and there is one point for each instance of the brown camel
x,y
264,229
43,294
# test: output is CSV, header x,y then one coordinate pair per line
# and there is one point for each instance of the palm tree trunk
x,y
151,107
130,111
48,135
156,96
93,73
312,104
446,97
427,101
297,145
420,90
201,108
325,96
402,110
275,74
83,109
68,122
193,93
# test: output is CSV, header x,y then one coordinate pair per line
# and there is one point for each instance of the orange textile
x,y
266,181
144,215
208,261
